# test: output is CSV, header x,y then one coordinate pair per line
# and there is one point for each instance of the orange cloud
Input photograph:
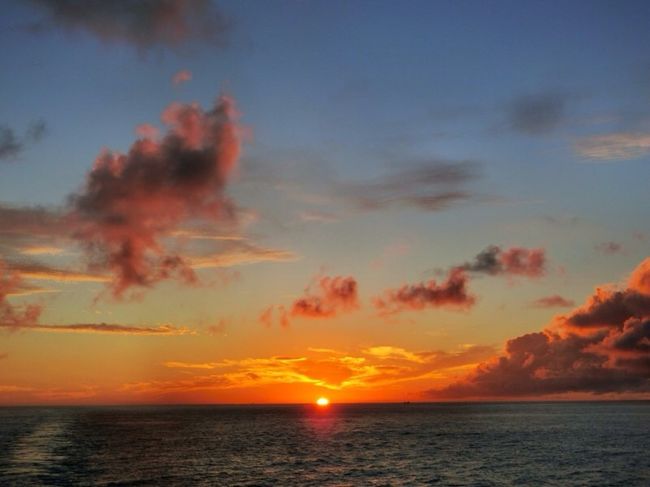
x,y
601,347
334,295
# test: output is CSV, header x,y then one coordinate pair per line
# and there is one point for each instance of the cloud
x,y
28,225
616,146
103,328
537,114
41,250
331,369
13,315
451,293
554,301
429,186
609,248
131,201
141,23
182,76
42,272
15,318
333,295
12,145
601,347
514,261
239,251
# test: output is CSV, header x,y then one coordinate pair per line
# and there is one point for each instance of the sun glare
x,y
322,401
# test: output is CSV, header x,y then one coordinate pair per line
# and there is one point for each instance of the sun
x,y
322,401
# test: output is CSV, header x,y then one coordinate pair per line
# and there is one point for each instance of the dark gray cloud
x,y
537,114
601,347
141,23
12,145
512,261
430,186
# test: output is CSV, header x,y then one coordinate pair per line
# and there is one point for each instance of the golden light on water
x,y
322,401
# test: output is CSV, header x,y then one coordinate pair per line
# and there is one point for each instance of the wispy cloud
x,y
143,24
616,146
537,114
102,328
553,301
430,186
12,145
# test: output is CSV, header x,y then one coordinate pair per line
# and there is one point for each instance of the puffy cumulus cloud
x,y
611,147
182,76
332,296
12,145
429,186
131,201
537,114
601,347
451,293
553,301
514,261
142,23
326,298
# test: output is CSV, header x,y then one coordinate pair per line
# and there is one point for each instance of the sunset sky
x,y
273,201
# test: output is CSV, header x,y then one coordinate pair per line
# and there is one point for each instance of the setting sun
x,y
322,401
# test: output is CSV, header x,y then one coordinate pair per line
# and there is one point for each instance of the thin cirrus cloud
x,y
12,145
613,147
144,24
429,186
600,347
451,293
131,201
609,248
326,298
553,301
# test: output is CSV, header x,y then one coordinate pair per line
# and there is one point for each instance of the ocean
x,y
477,444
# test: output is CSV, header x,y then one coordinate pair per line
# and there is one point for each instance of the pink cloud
x,y
554,301
333,295
451,293
131,201
182,76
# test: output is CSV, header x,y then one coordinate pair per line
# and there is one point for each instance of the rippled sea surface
x,y
414,444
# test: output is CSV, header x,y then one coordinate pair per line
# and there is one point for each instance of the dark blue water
x,y
434,444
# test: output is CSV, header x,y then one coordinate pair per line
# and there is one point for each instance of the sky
x,y
269,202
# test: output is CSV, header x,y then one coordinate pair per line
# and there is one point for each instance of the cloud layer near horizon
x,y
601,347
